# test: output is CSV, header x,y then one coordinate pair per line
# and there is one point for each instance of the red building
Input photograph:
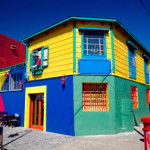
x,y
12,52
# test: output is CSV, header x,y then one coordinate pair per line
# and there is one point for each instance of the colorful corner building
x,y
93,79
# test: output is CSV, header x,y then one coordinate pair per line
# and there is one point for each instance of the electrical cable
x,y
144,7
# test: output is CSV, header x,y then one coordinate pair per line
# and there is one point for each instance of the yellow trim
x,y
34,90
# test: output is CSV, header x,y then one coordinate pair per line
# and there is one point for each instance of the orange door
x,y
36,111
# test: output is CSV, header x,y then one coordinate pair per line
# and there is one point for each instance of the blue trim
x,y
145,72
146,56
132,69
82,45
112,48
74,46
92,56
100,29
94,66
129,43
105,44
87,19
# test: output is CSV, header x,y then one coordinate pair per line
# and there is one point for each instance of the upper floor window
x,y
15,80
146,70
148,97
95,97
3,83
94,44
38,60
131,60
134,96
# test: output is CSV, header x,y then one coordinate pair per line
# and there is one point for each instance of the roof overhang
x,y
88,19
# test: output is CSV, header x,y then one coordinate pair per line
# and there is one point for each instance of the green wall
x,y
127,117
121,116
92,123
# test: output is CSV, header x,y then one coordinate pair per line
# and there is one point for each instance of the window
x,y
146,70
3,83
94,43
15,79
95,97
134,96
132,63
148,97
43,55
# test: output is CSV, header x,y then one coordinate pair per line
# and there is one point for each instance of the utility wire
x,y
144,7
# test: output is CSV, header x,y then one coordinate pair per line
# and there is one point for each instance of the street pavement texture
x,y
20,138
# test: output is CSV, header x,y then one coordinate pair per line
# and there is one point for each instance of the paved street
x,y
28,139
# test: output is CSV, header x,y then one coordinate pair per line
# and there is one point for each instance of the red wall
x,y
9,57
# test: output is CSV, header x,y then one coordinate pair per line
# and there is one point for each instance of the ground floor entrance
x,y
36,111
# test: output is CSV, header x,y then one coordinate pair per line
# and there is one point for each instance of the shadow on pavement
x,y
15,139
138,132
142,140
13,135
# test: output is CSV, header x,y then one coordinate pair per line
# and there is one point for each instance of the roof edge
x,y
63,21
87,18
13,66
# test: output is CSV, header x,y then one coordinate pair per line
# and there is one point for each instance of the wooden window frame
x,y
146,70
147,97
95,97
104,44
134,96
39,70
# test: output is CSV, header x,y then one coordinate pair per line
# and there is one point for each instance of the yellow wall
x,y
121,57
60,43
91,25
2,77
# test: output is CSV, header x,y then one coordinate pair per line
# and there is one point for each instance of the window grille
x,y
95,97
94,43
15,79
148,97
134,96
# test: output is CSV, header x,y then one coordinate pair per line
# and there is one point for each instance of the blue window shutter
x,y
132,63
146,70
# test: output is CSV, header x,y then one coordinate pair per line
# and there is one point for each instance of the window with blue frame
x,y
3,83
93,44
132,63
146,70
15,80
43,56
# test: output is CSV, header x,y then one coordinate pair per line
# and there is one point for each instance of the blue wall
x,y
14,101
60,109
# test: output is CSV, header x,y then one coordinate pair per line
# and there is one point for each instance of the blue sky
x,y
21,18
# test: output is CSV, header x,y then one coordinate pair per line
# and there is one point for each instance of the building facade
x,y
93,78
12,75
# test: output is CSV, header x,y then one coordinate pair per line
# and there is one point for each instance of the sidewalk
x,y
29,139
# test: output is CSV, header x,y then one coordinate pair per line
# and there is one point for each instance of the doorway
x,y
36,111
